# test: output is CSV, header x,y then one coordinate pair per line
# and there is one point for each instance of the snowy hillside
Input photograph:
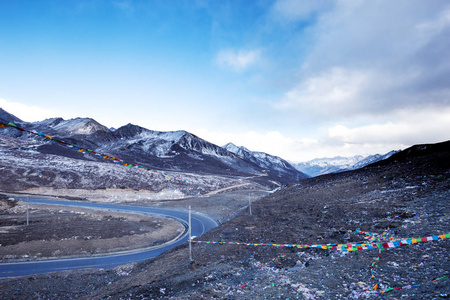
x,y
23,167
174,151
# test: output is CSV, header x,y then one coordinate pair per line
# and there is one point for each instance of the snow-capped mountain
x,y
175,150
320,166
82,126
178,151
372,159
266,161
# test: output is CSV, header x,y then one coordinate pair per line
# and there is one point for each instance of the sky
x,y
293,78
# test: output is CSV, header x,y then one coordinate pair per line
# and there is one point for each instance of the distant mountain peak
x,y
231,147
265,161
325,165
239,150
129,131
51,122
134,131
82,126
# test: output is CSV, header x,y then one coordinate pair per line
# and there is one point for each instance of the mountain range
x,y
325,165
174,151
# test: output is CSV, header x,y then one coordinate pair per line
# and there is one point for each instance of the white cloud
x,y
334,92
238,60
272,142
28,113
379,135
292,149
409,127
367,59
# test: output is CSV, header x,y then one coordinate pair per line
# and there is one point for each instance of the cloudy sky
x,y
294,78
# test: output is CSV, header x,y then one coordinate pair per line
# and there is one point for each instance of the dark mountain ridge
x,y
437,154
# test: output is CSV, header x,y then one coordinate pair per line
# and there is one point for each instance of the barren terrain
x,y
406,197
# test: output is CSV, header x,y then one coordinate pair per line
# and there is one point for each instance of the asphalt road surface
x,y
199,225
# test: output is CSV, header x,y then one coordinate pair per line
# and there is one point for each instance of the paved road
x,y
200,224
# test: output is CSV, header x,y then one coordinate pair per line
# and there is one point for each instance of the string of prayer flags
x,y
342,247
80,149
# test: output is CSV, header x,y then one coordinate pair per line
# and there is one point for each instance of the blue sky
x,y
297,79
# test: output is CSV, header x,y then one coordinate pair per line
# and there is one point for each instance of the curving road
x,y
200,224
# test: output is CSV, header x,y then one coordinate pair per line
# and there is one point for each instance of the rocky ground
x,y
402,198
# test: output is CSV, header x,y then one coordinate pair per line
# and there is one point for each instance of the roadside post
x,y
190,239
249,204
27,208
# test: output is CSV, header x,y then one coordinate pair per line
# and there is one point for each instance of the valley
x,y
283,249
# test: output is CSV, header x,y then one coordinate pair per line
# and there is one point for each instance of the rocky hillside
x,y
406,196
31,161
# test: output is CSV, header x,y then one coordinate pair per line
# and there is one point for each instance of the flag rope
x,y
342,247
